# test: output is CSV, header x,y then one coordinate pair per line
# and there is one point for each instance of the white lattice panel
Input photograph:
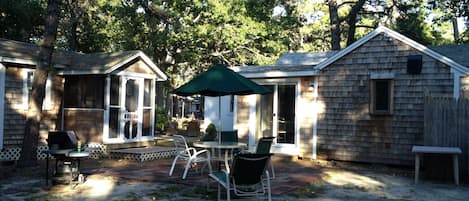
x,y
12,154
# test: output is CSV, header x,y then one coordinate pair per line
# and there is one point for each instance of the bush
x,y
162,120
210,133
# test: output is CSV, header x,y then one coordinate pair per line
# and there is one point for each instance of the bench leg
x,y
417,168
456,169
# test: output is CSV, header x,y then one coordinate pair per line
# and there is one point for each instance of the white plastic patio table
x,y
221,146
419,150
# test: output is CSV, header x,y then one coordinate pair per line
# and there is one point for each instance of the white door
x,y
131,113
131,109
276,117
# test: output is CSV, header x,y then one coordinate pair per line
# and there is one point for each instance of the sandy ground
x,y
334,183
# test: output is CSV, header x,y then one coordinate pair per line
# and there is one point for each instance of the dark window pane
x,y
382,95
286,114
115,90
147,93
114,123
131,95
84,92
146,130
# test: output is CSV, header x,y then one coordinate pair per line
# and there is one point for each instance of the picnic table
x,y
454,151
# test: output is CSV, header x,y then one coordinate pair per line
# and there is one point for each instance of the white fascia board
x,y
390,33
160,74
72,72
25,62
277,74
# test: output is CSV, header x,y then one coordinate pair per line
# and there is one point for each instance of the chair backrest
x,y
248,169
264,144
180,142
229,136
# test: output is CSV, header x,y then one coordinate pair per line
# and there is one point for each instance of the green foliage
x,y
22,20
210,133
162,120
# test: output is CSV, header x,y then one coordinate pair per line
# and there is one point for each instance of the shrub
x,y
210,133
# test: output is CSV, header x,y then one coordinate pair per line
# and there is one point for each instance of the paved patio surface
x,y
296,180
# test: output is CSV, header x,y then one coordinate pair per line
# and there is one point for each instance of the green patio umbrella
x,y
220,81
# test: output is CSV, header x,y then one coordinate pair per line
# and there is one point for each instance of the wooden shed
x,y
363,103
106,98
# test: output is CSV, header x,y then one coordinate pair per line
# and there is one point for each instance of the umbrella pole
x,y
219,119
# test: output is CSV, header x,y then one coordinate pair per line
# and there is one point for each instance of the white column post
x,y
315,118
252,122
107,101
2,101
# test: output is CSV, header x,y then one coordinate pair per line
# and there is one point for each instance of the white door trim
x,y
2,101
279,148
107,102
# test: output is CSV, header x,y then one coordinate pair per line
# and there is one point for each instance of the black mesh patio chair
x,y
248,176
227,137
263,147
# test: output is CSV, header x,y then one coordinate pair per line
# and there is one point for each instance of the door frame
x,y
140,108
291,149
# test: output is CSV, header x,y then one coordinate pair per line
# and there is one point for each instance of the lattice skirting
x,y
145,156
11,154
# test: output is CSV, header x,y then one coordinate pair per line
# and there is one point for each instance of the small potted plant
x,y
210,133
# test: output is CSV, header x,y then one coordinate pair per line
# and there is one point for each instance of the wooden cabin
x,y
106,98
363,103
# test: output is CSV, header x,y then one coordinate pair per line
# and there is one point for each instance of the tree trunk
x,y
31,132
335,24
352,21
455,30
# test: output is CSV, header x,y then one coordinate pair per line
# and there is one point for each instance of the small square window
x,y
382,96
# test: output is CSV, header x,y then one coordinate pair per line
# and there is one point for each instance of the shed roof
x,y
458,53
73,62
288,65
304,58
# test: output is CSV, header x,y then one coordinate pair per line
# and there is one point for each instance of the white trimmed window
x,y
27,87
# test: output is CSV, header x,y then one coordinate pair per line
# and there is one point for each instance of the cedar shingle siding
x,y
15,113
347,130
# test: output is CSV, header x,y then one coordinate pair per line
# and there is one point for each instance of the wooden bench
x,y
454,151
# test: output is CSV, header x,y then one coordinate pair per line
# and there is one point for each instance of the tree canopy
x,y
186,37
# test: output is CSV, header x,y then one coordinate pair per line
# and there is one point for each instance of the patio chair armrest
x,y
196,153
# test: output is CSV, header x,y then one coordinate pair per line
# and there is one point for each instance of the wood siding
x,y
138,67
464,87
87,124
242,120
15,113
347,131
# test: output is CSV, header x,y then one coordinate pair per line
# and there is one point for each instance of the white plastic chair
x,y
189,154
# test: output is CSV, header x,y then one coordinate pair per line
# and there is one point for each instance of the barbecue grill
x,y
63,146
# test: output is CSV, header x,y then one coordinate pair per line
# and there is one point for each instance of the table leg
x,y
417,167
456,169
227,167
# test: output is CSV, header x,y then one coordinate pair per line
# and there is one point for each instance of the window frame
x,y
372,105
47,103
